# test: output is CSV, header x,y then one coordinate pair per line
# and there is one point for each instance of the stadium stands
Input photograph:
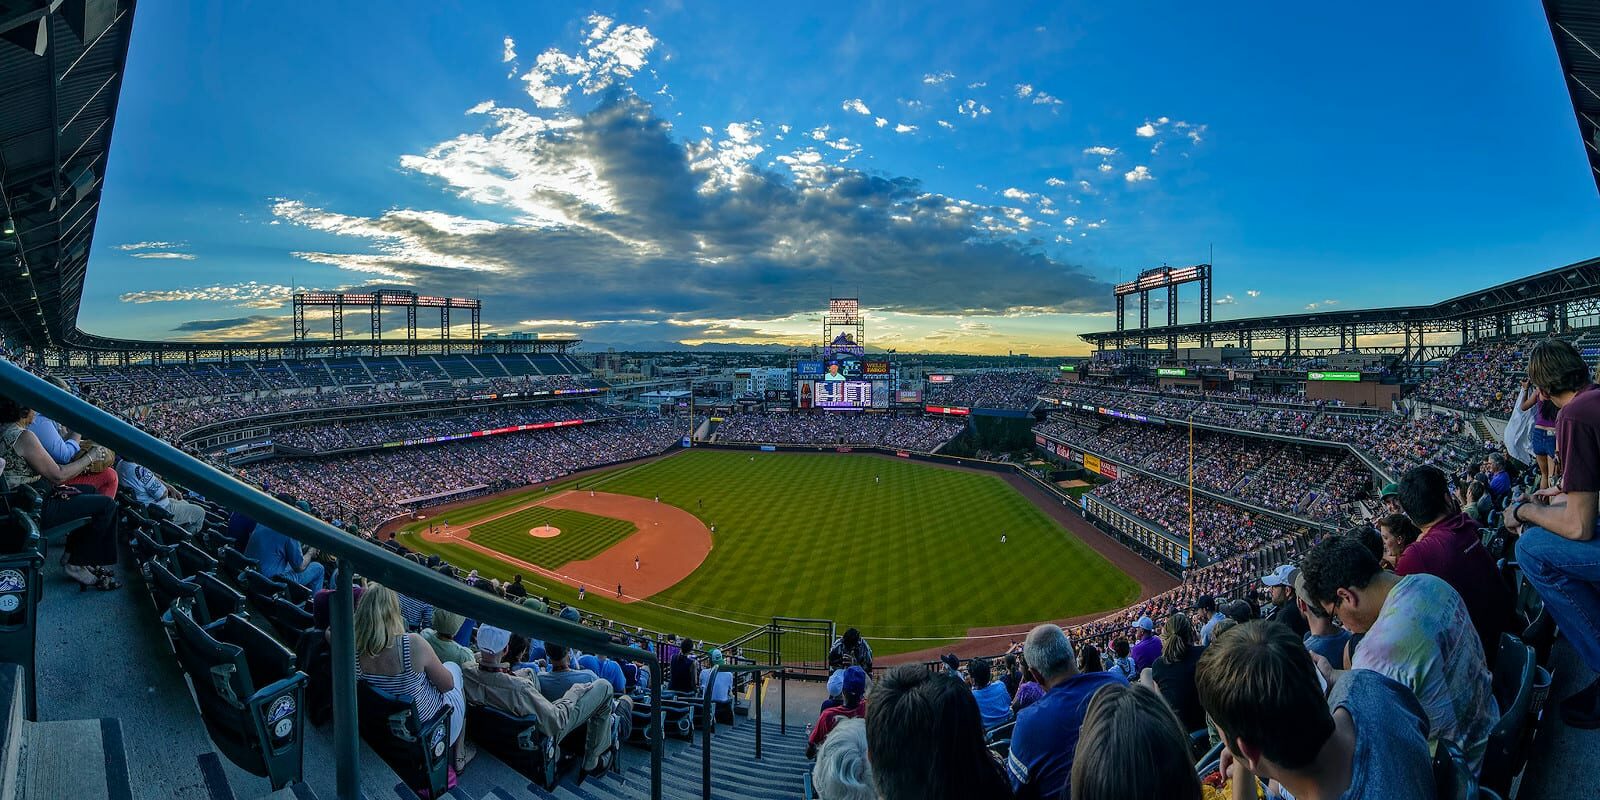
x,y
1014,389
904,431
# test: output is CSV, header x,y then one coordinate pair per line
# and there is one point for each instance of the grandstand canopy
x,y
1575,26
61,67
1568,290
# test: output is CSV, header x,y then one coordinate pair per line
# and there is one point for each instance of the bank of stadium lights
x,y
10,228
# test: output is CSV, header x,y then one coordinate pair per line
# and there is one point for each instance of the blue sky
x,y
646,174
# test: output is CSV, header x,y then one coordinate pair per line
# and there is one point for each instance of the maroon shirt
x,y
1453,551
1578,441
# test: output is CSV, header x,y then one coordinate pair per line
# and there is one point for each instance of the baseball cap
x,y
570,614
492,639
1282,576
855,681
1145,623
1206,602
716,656
1392,490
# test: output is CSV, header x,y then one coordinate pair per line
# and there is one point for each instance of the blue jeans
x,y
1566,574
310,577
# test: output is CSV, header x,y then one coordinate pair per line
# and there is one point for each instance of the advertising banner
x,y
1091,462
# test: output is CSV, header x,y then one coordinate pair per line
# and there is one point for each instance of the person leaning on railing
x,y
91,549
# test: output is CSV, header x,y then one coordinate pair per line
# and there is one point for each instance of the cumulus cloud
x,y
857,106
1138,174
880,122
972,108
1226,300
1105,166
165,255
151,245
934,79
1023,90
1253,292
947,126
250,294
1146,130
609,215
1054,182
510,53
1013,193
1323,304
611,54
1042,99
904,128
1100,150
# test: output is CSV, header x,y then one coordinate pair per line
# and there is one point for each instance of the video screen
x,y
941,379
844,394
841,368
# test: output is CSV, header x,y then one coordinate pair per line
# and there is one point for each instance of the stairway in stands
x,y
114,704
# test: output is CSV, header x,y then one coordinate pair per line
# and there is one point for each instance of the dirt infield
x,y
669,544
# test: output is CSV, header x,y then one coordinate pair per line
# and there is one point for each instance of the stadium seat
x,y
259,589
1452,775
146,549
417,750
235,562
314,657
519,743
221,598
1513,679
192,560
289,620
169,532
249,694
167,589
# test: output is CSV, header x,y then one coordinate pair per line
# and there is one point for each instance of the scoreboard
x,y
844,394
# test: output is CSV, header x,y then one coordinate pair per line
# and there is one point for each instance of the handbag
x,y
1519,430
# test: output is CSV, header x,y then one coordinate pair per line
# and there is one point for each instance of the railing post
x,y
705,737
783,702
658,732
346,731
761,686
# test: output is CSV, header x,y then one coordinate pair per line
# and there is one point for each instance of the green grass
x,y
582,535
912,561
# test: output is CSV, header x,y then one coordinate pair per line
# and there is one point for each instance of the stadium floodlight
x,y
11,226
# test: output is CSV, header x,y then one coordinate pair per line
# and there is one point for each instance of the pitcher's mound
x,y
544,532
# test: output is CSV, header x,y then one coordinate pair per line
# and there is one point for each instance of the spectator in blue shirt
x,y
1046,733
994,704
282,555
1500,481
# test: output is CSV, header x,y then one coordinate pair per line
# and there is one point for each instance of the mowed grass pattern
x,y
917,555
582,535
914,562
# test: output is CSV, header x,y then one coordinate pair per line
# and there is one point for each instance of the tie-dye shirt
x,y
1424,640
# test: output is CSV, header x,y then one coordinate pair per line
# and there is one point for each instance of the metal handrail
x,y
354,554
711,718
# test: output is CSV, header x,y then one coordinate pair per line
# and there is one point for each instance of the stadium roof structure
x,y
61,68
1575,26
1547,300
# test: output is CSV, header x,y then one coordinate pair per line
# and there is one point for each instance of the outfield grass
x,y
582,535
912,561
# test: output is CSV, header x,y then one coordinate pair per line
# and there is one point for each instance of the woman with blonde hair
x,y
404,665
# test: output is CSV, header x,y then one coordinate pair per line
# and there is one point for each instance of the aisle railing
x,y
354,556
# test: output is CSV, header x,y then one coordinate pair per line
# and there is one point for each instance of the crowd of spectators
x,y
372,486
1017,389
902,431
1480,378
352,433
1221,529
1312,482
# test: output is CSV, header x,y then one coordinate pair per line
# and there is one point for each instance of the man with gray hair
x,y
842,771
1046,733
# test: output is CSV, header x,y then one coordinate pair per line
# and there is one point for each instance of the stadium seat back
x,y
1452,775
167,589
192,560
169,532
289,620
1513,679
236,562
417,750
259,589
250,697
518,742
147,549
221,599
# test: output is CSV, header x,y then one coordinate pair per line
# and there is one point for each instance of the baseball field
x,y
709,543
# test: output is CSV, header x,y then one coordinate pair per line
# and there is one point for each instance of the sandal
x,y
105,583
465,755
83,576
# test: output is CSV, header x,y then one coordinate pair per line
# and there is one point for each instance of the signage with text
x,y
960,412
1333,376
1172,372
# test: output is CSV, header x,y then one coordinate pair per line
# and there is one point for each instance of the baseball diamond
x,y
907,550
